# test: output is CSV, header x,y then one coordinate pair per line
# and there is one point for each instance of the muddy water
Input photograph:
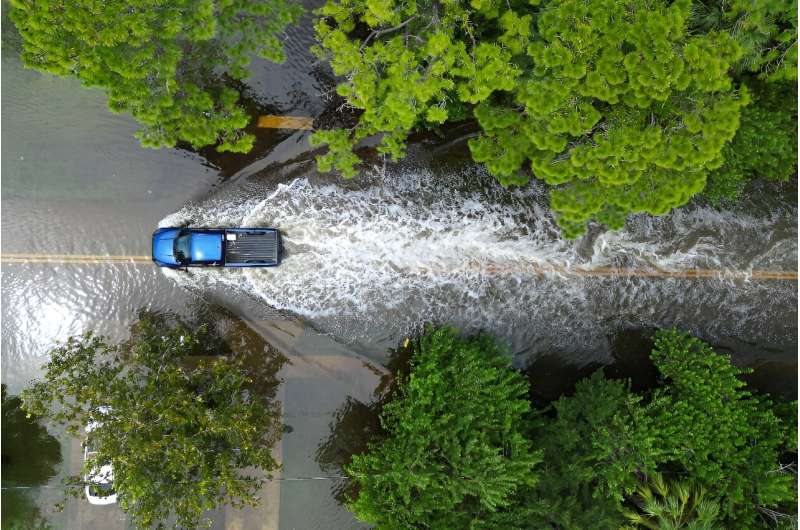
x,y
75,181
370,261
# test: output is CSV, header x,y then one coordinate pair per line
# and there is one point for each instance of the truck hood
x,y
163,241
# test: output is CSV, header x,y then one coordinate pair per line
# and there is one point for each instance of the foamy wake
x,y
376,259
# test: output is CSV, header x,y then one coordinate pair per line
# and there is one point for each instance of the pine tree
x,y
621,107
660,504
453,454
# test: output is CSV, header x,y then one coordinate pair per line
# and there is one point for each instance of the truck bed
x,y
247,248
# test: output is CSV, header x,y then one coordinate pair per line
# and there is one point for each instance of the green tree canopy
x,y
700,425
765,29
727,440
660,504
166,63
453,452
594,459
595,445
182,426
765,146
616,105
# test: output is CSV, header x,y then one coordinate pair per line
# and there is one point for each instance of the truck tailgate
x,y
257,247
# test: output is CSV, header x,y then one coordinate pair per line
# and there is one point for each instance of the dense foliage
x,y
726,439
182,426
453,452
663,504
617,105
697,451
168,64
600,439
766,30
700,423
765,146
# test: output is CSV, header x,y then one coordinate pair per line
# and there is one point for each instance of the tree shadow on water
x,y
356,424
225,335
30,457
551,375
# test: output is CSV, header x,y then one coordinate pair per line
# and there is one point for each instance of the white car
x,y
99,481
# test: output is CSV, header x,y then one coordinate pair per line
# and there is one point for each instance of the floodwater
x,y
368,262
76,182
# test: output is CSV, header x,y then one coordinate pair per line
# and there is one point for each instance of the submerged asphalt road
x,y
76,184
613,272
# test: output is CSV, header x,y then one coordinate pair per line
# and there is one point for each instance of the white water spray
x,y
378,258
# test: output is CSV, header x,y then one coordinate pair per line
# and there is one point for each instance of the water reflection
x,y
76,181
355,423
30,457
227,336
552,375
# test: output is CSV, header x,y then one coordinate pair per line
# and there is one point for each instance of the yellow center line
x,y
644,273
71,258
537,269
285,122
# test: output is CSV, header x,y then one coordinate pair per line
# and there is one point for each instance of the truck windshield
x,y
182,248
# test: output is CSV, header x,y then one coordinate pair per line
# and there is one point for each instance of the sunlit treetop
x,y
617,105
168,63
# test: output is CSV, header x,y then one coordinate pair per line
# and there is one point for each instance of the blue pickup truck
x,y
217,247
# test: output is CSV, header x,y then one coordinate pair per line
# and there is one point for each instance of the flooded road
x,y
368,262
76,182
